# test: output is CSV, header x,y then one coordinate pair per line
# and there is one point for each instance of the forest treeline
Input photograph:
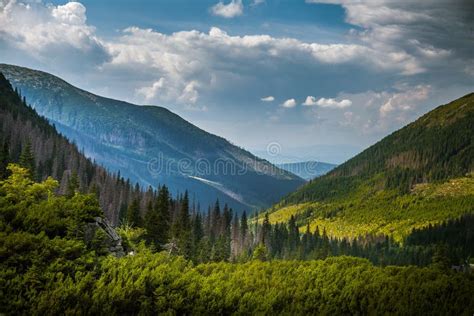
x,y
48,266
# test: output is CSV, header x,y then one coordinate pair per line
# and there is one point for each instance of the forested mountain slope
x,y
28,138
418,175
152,145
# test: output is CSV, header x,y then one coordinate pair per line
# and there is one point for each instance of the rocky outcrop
x,y
112,242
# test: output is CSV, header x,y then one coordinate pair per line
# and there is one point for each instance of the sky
x,y
286,79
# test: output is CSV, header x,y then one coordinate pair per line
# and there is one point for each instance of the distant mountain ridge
x,y
307,169
152,145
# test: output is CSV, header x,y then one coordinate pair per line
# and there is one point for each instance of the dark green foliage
x,y
4,159
27,159
133,213
157,219
72,185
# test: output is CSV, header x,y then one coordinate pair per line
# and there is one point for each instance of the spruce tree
x,y
133,213
4,160
27,158
72,185
157,219
181,231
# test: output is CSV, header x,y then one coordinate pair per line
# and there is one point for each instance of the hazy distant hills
x,y
308,169
329,153
152,145
419,175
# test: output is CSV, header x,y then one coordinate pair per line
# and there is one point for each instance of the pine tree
x,y
266,231
133,213
440,258
27,158
181,231
196,234
4,160
157,220
72,185
215,221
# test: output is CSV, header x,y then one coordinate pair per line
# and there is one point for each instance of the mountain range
x,y
152,145
307,169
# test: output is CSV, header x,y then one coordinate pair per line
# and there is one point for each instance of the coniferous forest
x,y
168,254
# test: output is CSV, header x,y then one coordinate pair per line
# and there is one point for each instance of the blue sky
x,y
320,78
287,18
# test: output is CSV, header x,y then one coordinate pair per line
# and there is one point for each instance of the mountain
x,y
419,175
151,145
28,138
335,153
308,169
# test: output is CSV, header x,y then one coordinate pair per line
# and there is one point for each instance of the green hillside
x,y
419,175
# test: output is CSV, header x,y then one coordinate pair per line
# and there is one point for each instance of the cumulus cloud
x,y
327,103
423,35
44,31
188,66
72,13
404,100
290,103
210,60
310,101
232,9
150,93
190,93
332,103
268,99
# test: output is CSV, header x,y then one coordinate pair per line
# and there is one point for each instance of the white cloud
x,y
182,67
150,93
190,93
332,103
310,101
420,35
290,103
268,99
213,59
404,100
232,9
72,13
327,103
46,31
